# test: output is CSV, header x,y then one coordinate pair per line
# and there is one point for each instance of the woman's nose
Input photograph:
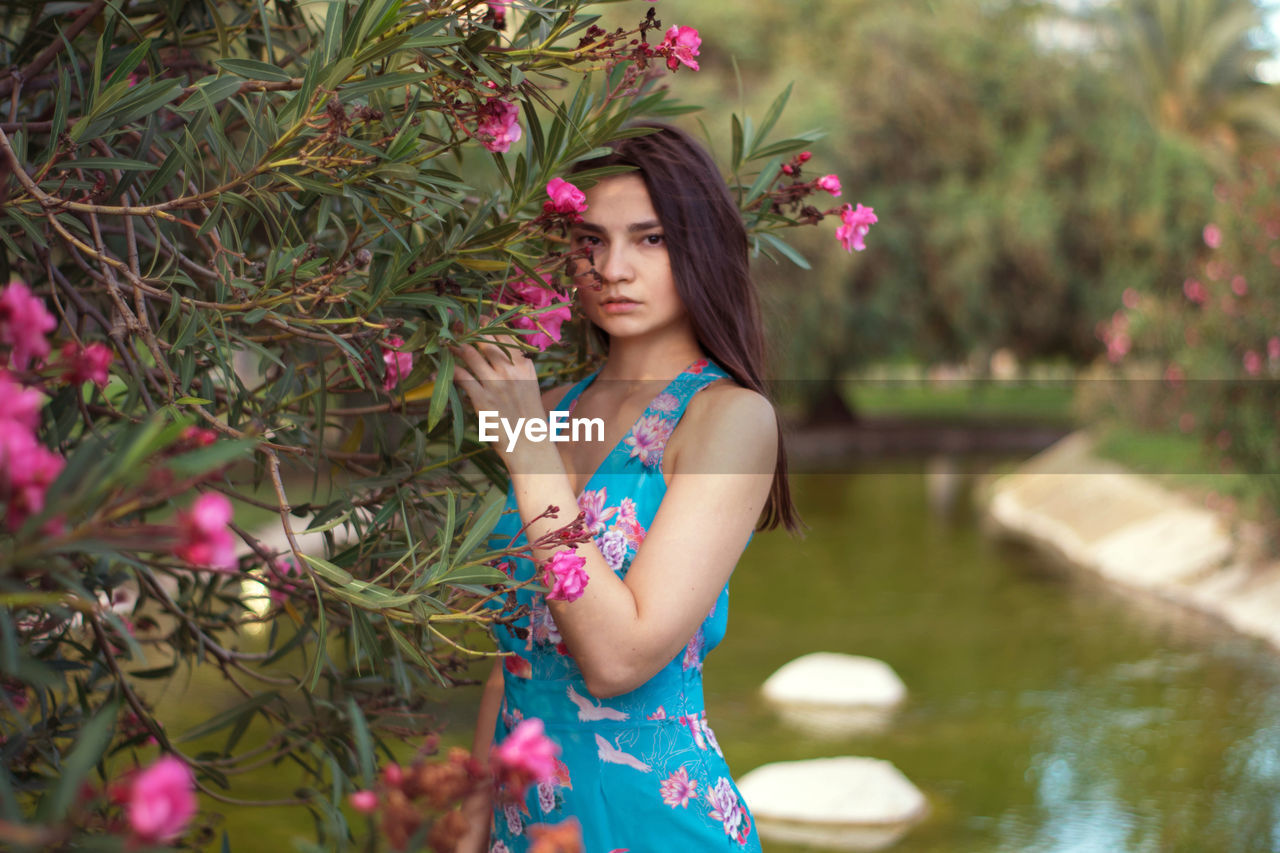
x,y
615,265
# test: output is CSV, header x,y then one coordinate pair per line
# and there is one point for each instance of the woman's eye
x,y
654,239
588,240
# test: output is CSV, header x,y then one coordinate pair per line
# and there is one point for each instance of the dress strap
x,y
567,401
647,439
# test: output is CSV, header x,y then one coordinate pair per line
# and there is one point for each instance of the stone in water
x,y
836,694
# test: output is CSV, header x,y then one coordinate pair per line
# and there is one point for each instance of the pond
x,y
1046,711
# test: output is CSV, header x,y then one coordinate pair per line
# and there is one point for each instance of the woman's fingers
x,y
468,384
477,364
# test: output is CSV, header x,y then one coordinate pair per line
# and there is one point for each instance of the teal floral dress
x,y
641,771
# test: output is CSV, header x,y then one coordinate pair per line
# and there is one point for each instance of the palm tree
x,y
1194,64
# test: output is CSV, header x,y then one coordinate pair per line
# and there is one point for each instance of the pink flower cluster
x,y
496,125
86,364
24,321
1115,334
398,364
526,756
206,541
161,801
856,223
681,46
546,325
566,199
565,576
27,467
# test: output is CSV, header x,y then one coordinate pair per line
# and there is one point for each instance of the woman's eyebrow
x,y
634,228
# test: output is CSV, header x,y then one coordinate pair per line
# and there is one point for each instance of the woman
x,y
616,675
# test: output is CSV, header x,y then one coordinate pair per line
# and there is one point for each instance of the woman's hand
x,y
499,378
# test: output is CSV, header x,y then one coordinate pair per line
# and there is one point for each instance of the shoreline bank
x,y
1132,531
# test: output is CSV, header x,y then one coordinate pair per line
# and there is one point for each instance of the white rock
x,y
846,803
835,694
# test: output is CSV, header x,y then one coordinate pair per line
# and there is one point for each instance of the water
x,y
1047,711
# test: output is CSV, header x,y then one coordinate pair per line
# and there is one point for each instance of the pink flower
x,y
365,802
1212,236
206,541
497,127
526,756
830,183
679,789
1253,362
1239,286
546,325
399,364
565,575
648,439
86,364
498,9
1273,349
27,469
18,404
565,198
681,45
284,569
1130,298
857,222
161,801
1195,291
23,324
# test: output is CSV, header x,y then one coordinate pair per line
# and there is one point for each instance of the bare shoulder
x,y
726,420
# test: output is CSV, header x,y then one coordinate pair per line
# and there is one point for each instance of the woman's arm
x,y
478,807
621,632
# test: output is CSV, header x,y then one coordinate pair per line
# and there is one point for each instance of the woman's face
x,y
638,295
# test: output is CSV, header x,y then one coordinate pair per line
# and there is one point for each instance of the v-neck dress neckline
x,y
570,399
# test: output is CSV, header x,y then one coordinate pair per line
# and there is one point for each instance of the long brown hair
x,y
707,245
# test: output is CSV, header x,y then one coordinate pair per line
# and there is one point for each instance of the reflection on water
x,y
1046,712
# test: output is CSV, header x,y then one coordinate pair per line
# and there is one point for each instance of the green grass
x,y
1011,400
1181,462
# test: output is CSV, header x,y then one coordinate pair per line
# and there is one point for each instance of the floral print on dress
x,y
678,789
613,547
666,403
727,808
648,439
651,749
594,514
693,652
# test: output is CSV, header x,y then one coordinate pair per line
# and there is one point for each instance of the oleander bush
x,y
238,238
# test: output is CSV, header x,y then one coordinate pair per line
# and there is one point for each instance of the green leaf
x,y
440,394
226,718
363,742
771,118
484,575
93,741
482,526
252,69
199,462
779,244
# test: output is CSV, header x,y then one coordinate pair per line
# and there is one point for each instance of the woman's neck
x,y
648,359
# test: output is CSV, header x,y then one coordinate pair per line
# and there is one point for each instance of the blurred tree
x,y
1193,65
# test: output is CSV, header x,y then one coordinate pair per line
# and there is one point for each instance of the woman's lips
x,y
621,306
